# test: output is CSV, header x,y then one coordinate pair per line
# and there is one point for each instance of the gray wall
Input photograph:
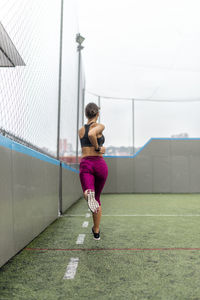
x,y
161,166
7,248
35,197
71,188
29,184
29,195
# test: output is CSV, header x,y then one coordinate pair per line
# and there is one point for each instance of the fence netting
x,y
29,94
131,123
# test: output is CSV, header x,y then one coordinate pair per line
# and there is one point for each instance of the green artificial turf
x,y
138,257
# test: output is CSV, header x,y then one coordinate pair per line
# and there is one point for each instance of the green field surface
x,y
149,249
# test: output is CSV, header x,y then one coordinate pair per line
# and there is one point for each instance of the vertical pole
x,y
133,126
60,81
99,105
78,100
59,109
83,106
60,191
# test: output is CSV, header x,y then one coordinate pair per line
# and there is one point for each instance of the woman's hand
x,y
103,150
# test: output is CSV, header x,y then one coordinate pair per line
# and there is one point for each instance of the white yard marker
x,y
85,224
87,215
71,268
80,239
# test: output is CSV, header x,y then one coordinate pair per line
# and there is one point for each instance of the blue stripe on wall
x,y
8,143
28,151
152,139
69,168
5,142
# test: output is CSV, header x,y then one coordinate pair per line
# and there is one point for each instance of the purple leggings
x,y
93,174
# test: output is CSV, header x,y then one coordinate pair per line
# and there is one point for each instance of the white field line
x,y
85,224
151,215
71,268
87,215
135,215
67,215
80,239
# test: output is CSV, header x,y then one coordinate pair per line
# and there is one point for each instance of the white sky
x,y
144,49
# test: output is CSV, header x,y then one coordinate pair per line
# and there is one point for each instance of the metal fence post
x,y
99,105
133,125
79,40
78,101
60,81
83,106
59,109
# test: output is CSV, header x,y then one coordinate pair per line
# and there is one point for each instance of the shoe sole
x,y
92,202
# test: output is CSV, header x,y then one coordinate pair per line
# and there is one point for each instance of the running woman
x,y
93,168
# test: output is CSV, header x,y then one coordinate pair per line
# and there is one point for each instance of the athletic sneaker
x,y
92,202
96,235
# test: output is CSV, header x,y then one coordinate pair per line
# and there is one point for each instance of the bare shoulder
x,y
96,129
98,125
81,132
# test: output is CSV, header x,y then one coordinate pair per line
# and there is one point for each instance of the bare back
x,y
90,151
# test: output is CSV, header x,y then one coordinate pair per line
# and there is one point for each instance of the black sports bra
x,y
85,142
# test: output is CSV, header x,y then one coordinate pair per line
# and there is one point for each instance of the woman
x,y
93,168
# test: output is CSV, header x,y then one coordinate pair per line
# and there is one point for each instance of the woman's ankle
x,y
96,229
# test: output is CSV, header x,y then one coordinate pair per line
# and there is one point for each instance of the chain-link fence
x,y
130,123
29,95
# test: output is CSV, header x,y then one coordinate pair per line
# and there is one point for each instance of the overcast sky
x,y
142,49
145,49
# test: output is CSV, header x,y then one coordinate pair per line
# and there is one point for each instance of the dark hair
x,y
91,110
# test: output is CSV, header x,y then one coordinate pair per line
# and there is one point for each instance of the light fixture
x,y
79,39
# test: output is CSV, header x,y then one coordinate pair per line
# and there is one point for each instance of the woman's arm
x,y
93,132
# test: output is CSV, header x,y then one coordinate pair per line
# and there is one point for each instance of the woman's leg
x,y
86,177
96,216
100,179
97,220
87,181
94,181
101,173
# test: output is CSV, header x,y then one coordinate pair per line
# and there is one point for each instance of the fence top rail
x,y
144,99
